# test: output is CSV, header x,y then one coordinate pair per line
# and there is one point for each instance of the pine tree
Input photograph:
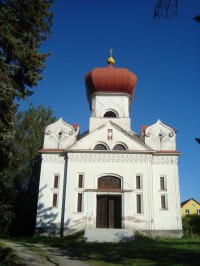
x,y
24,25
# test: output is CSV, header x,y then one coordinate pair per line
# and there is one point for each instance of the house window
x,y
110,114
79,202
198,211
162,183
163,202
56,178
80,181
119,147
111,182
139,203
100,147
187,211
138,182
55,200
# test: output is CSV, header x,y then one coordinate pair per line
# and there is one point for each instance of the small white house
x,y
109,177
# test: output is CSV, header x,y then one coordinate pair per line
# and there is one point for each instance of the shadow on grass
x,y
7,256
140,252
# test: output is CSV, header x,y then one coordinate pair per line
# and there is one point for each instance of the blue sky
x,y
163,54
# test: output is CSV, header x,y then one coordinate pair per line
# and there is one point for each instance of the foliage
x,y
166,8
197,140
24,25
29,136
169,9
140,236
191,224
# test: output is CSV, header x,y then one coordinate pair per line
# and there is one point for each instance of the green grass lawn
x,y
143,251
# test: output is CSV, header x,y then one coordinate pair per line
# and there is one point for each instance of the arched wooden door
x,y
109,206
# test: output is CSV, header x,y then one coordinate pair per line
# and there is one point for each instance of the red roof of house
x,y
75,126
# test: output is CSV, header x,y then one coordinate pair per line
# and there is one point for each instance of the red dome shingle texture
x,y
110,79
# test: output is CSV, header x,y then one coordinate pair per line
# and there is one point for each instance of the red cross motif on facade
x,y
110,134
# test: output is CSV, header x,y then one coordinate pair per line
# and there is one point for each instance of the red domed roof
x,y
110,79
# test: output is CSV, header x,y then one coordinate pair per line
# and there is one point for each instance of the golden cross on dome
x,y
111,52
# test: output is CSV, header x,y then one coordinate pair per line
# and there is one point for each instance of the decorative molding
x,y
122,158
165,160
160,136
100,157
53,158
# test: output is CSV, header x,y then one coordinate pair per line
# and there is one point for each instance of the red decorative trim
x,y
110,134
168,151
143,128
51,150
108,190
75,126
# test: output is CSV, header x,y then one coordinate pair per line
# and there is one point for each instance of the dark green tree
x,y
28,140
24,25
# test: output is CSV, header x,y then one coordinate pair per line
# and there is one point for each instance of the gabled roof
x,y
131,135
186,201
94,136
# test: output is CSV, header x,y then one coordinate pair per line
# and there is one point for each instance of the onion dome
x,y
110,79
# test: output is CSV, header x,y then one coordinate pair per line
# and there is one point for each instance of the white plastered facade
x,y
153,206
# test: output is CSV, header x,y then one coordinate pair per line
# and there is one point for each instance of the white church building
x,y
109,177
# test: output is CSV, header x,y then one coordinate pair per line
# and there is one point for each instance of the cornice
x,y
122,158
53,158
51,151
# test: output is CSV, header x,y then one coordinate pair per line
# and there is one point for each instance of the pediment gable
x,y
159,136
110,135
60,135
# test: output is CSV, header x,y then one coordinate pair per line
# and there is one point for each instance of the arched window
x,y
110,114
112,182
100,147
119,147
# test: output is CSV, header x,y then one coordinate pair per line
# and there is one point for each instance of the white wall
x,y
46,214
171,218
126,166
101,103
151,218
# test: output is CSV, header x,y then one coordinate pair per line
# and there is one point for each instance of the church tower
x,y
110,92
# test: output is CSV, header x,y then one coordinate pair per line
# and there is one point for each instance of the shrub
x,y
191,224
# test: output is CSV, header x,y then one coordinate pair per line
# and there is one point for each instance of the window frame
x,y
163,183
112,111
79,208
120,144
102,144
165,206
58,181
106,180
55,200
187,211
140,181
139,203
81,181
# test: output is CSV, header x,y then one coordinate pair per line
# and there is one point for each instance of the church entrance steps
x,y
108,235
